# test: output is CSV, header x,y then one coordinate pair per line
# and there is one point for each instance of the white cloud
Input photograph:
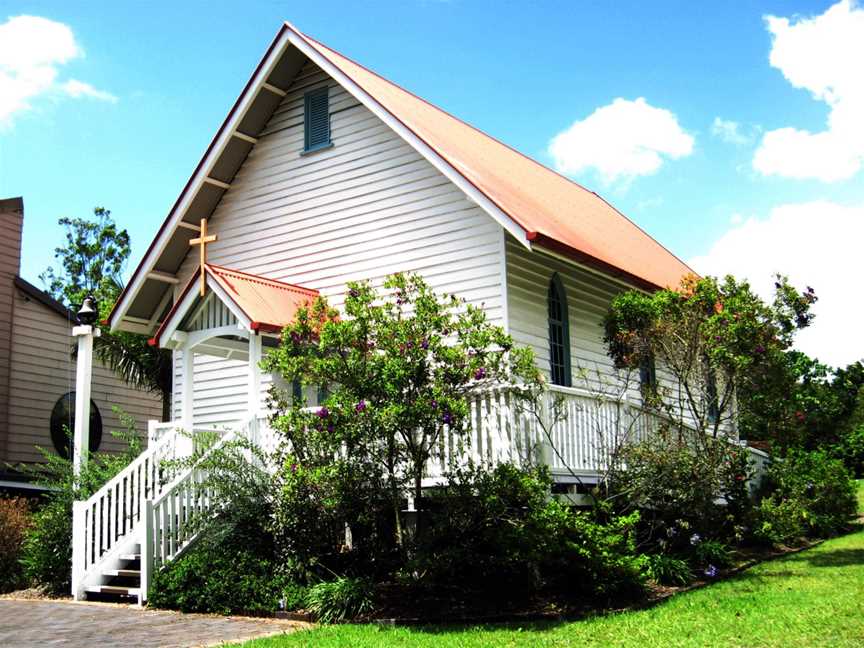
x,y
730,132
76,88
815,244
31,51
823,55
621,141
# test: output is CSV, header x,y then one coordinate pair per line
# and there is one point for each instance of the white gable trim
x,y
167,338
198,179
290,36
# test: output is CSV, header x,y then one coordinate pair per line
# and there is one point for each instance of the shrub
x,y
294,596
683,486
343,599
779,522
851,450
218,578
585,557
47,552
668,570
497,532
15,519
711,552
313,507
232,567
805,493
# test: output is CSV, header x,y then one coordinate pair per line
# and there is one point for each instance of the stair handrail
x,y
172,525
107,517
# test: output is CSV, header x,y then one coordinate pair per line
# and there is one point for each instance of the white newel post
x,y
79,548
254,390
85,333
146,552
84,372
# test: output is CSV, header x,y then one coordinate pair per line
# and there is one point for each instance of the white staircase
x,y
141,519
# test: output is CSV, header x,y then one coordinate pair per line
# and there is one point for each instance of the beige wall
x,y
11,217
43,371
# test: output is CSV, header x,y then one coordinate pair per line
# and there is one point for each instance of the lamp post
x,y
85,332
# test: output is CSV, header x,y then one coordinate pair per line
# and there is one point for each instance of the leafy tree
x,y
717,339
92,262
399,370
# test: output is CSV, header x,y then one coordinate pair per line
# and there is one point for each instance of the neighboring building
x,y
322,173
37,371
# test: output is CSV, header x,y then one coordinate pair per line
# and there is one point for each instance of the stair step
x,y
130,556
113,589
133,573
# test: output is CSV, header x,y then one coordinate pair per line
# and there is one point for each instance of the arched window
x,y
559,333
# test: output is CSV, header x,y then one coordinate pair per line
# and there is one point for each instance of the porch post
x,y
188,388
254,387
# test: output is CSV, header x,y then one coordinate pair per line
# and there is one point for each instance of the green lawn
x,y
813,598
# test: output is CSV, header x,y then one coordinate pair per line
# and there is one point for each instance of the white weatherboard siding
x,y
43,370
367,207
588,299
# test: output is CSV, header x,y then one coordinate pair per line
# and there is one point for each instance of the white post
x,y
84,372
79,548
146,552
188,388
254,387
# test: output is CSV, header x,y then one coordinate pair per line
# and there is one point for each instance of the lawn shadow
x,y
834,558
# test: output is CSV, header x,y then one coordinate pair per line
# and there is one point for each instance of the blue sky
x,y
701,162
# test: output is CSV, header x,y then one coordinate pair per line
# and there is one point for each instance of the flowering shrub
x,y
716,337
399,368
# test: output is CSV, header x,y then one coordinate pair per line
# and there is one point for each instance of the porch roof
x,y
267,304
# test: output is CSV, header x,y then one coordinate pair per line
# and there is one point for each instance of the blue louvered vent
x,y
317,119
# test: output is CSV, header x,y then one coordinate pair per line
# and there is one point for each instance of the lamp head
x,y
88,313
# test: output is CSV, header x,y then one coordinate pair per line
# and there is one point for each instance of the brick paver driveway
x,y
104,625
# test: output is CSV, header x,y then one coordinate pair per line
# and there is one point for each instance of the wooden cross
x,y
203,240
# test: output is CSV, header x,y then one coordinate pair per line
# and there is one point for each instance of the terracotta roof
x,y
553,210
269,305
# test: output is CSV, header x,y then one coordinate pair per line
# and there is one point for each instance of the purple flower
x,y
359,407
323,413
711,571
447,418
480,374
354,292
330,427
695,539
434,404
293,468
425,343
760,349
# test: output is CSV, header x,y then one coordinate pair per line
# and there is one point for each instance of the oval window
x,y
63,425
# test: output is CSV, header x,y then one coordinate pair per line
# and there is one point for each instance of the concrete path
x,y
26,623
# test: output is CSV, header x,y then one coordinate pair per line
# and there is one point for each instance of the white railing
x,y
570,430
102,522
172,520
